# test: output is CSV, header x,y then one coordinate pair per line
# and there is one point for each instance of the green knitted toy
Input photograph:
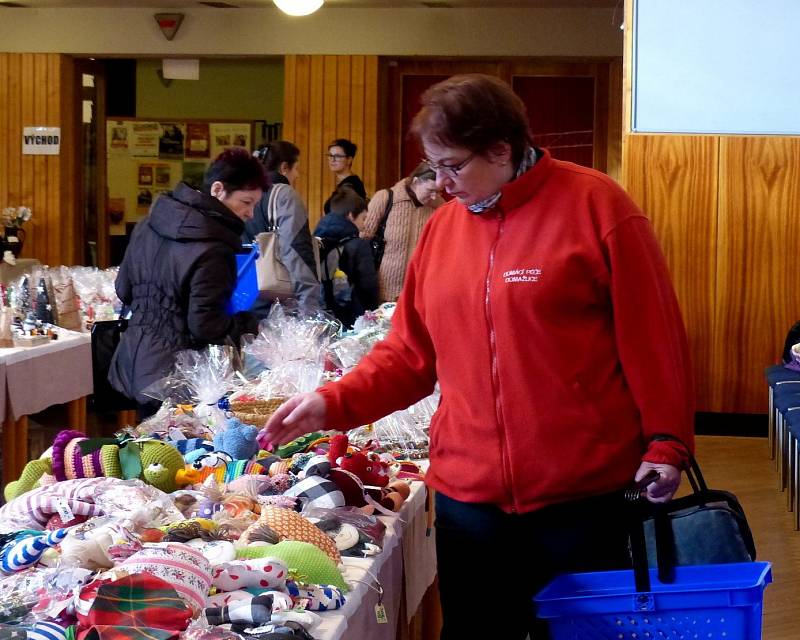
x,y
73,455
308,562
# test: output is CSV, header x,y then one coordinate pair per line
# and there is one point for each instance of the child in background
x,y
343,252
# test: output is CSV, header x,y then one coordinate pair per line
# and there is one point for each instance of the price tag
x,y
380,614
64,510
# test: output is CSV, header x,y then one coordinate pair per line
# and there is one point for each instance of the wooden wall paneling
x,y
4,128
370,142
674,180
758,297
614,122
357,102
343,98
34,241
13,134
289,97
318,169
34,94
70,109
329,97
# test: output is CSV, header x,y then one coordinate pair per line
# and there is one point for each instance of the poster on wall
x,y
170,144
117,137
198,140
143,201
116,210
144,139
229,134
145,175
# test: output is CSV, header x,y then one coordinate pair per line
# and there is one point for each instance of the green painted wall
x,y
243,89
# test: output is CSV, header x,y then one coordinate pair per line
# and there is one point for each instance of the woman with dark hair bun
x,y
341,153
179,272
281,159
539,300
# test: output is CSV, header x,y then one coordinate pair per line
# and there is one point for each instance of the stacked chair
x,y
784,424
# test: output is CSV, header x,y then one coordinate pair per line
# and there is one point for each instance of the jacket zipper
x,y
506,466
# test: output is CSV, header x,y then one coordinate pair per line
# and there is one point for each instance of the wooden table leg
x,y
15,447
126,418
76,414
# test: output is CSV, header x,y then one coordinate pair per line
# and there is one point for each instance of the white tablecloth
x,y
35,378
408,560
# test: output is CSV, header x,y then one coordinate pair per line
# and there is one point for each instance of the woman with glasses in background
x,y
405,207
341,153
539,300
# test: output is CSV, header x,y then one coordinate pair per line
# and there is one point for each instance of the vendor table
x,y
34,378
405,569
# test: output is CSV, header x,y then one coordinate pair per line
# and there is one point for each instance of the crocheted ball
x,y
282,482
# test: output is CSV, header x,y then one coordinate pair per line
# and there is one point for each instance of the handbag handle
x,y
641,509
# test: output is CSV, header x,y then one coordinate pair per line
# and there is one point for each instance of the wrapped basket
x,y
256,412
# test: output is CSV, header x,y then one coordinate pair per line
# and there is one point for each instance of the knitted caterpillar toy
x,y
73,456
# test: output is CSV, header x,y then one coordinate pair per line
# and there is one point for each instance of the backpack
x,y
336,291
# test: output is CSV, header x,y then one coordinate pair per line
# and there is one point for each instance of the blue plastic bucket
x,y
708,602
246,291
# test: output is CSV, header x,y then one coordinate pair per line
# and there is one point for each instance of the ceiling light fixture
x,y
298,7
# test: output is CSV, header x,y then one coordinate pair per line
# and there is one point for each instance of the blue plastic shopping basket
x,y
246,291
705,602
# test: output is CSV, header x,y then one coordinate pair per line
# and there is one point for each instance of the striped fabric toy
x,y
38,631
22,552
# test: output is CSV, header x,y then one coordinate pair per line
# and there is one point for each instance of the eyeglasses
x,y
336,156
451,170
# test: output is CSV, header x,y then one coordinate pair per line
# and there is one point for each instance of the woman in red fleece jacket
x,y
540,301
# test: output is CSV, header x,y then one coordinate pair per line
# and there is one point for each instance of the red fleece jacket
x,y
554,332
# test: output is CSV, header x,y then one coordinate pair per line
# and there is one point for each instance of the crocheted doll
x,y
73,455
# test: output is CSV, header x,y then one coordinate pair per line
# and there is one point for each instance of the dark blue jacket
x,y
356,260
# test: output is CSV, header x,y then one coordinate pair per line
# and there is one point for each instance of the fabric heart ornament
x,y
266,573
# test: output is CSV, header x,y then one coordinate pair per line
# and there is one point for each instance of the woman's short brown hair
x,y
473,111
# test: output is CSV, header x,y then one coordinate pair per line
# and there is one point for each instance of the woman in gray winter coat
x,y
179,272
282,162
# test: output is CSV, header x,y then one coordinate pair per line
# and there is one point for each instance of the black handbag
x,y
706,527
378,240
105,338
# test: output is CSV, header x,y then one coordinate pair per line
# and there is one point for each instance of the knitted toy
x,y
237,439
368,467
73,455
223,473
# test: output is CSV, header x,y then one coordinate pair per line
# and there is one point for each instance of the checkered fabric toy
x,y
315,491
24,551
242,614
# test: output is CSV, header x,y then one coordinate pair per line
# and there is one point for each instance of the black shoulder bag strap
x,y
382,226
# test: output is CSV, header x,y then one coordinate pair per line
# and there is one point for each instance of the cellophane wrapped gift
x,y
200,378
289,351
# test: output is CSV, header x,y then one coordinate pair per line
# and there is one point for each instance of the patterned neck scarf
x,y
528,160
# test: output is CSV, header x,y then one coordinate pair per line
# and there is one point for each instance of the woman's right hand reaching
x,y
297,416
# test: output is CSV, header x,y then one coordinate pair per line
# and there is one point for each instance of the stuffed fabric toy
x,y
259,573
290,525
73,456
302,558
242,614
238,440
24,550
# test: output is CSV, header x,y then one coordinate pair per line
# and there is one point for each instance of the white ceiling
x,y
252,4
